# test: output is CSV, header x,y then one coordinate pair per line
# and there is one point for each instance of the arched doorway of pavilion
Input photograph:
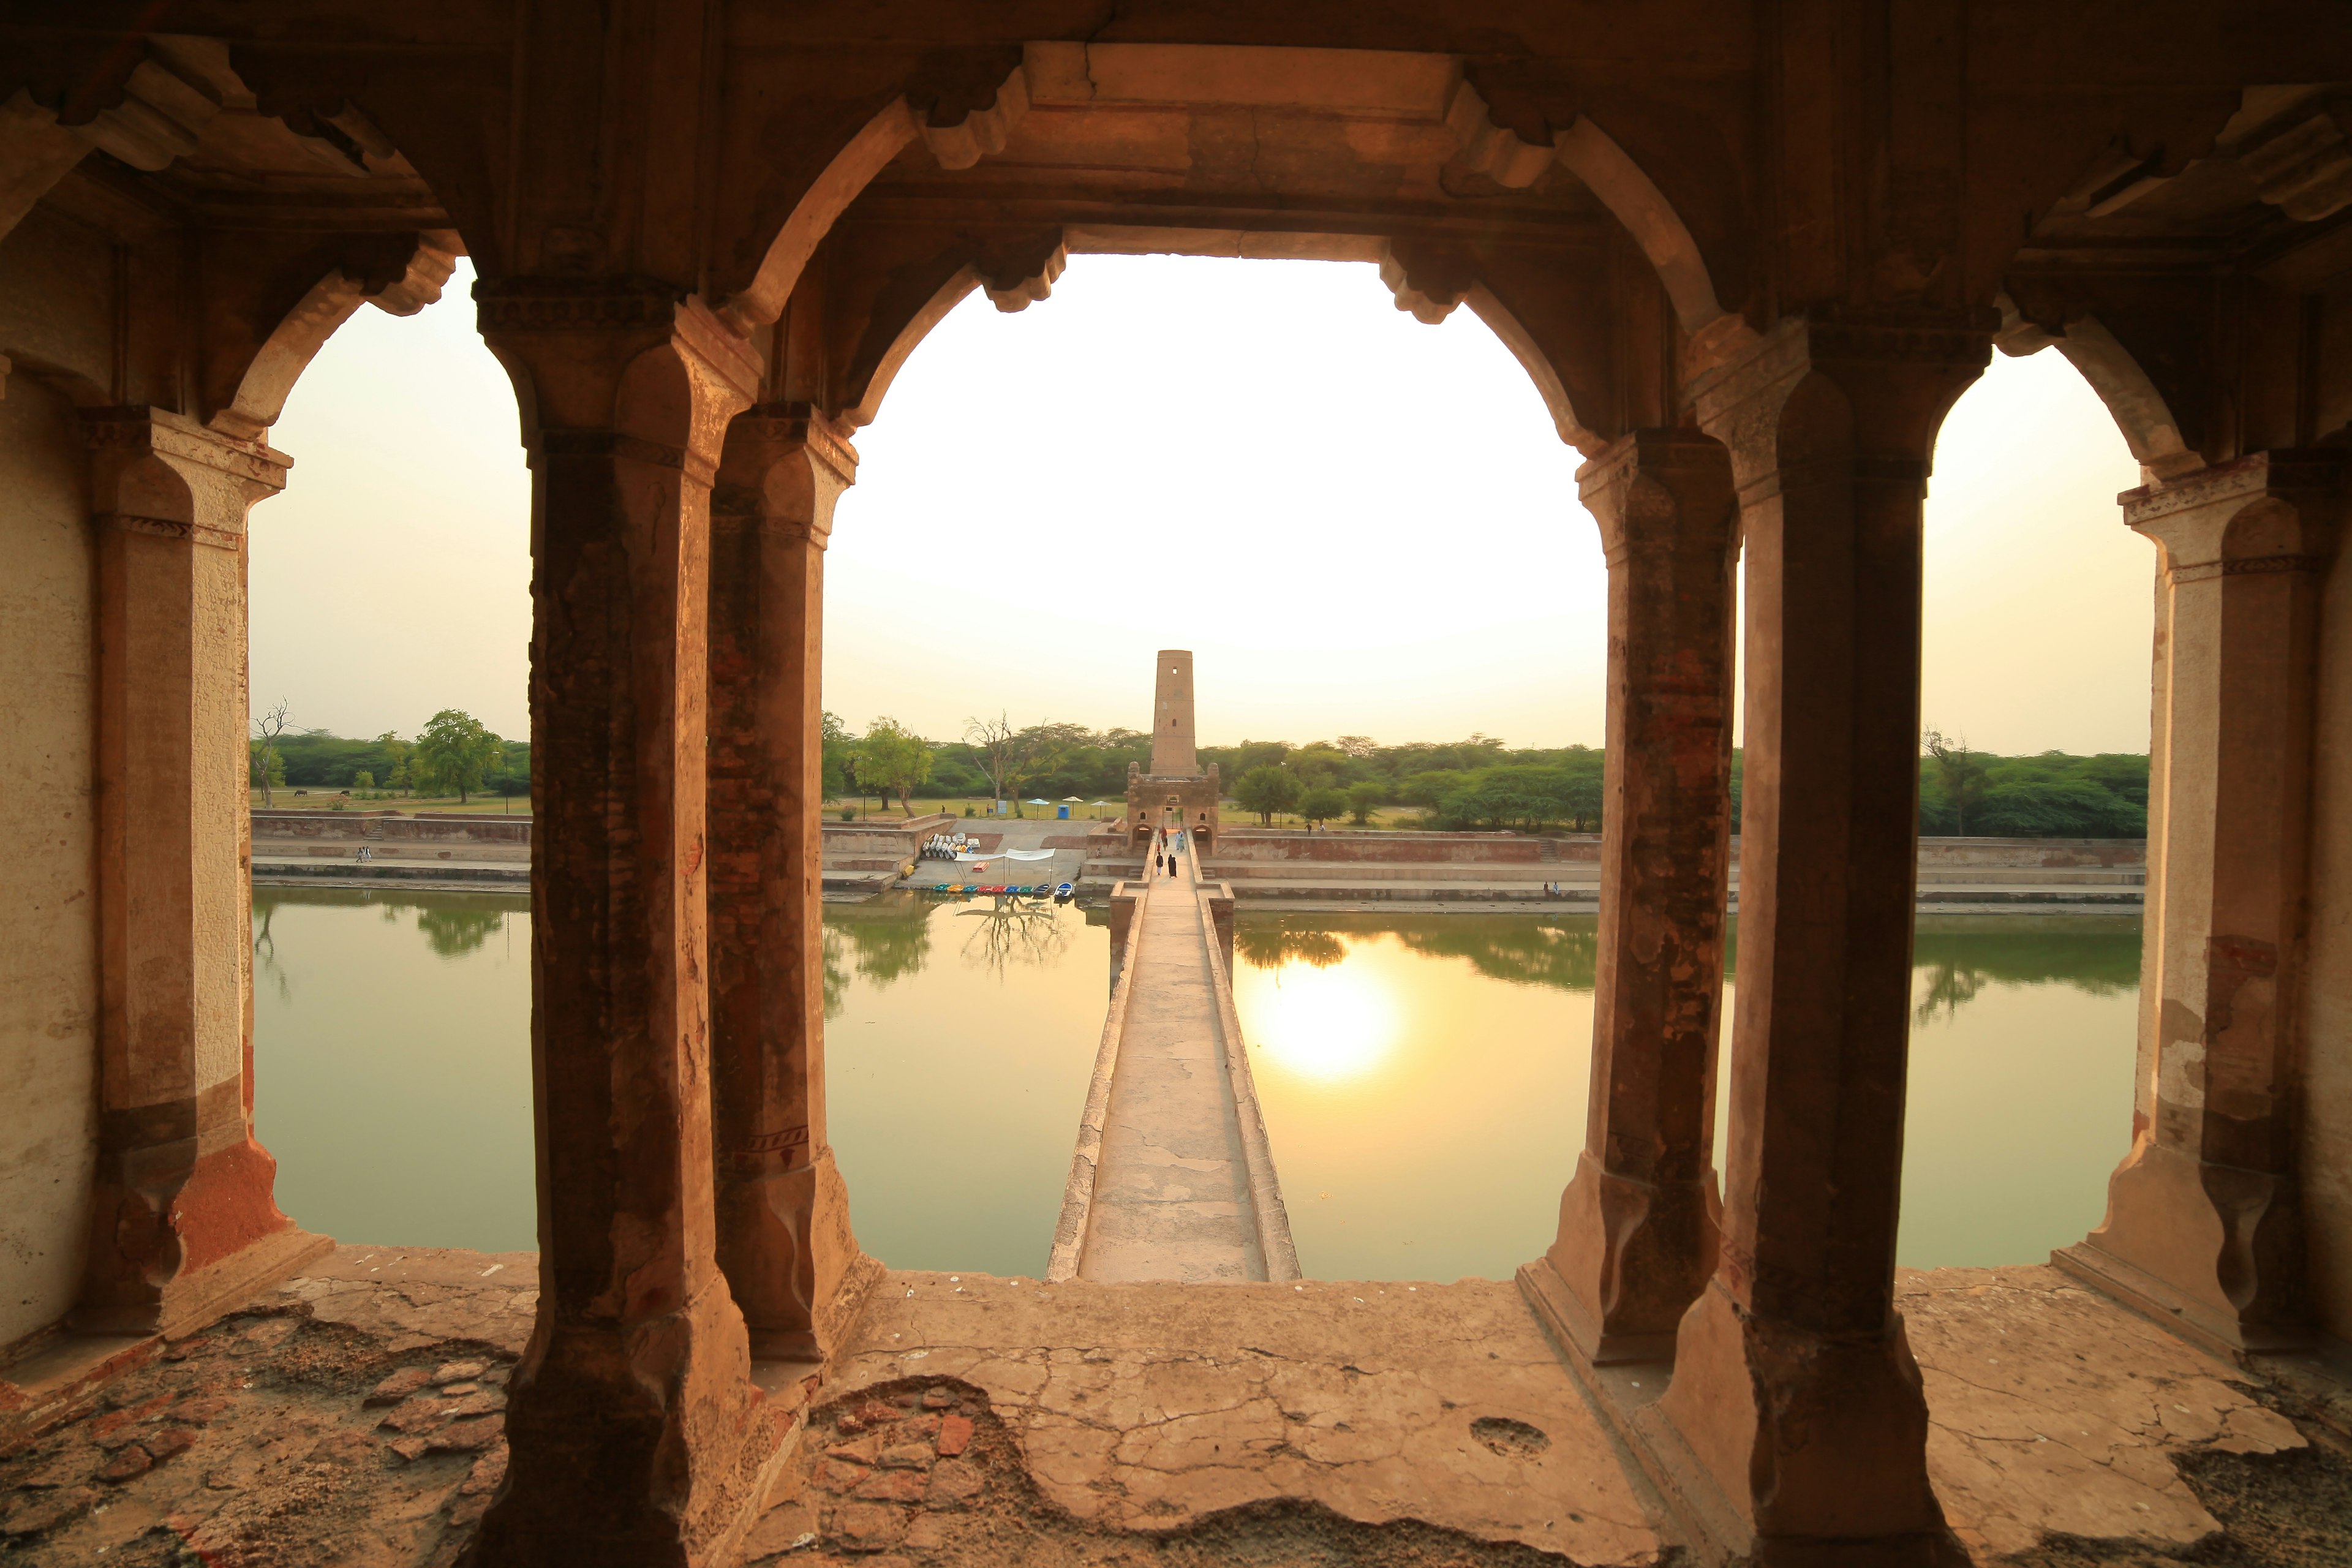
x,y
392,1020
1349,609
2033,798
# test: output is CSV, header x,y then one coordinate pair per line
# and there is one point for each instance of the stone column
x,y
184,1225
1794,1426
1637,1223
784,1240
2204,1225
637,1434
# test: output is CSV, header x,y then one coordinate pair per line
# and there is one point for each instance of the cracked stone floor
x,y
355,1417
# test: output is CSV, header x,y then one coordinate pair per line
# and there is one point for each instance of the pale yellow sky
x,y
1360,524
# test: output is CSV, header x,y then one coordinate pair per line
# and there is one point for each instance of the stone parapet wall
x,y
901,835
1262,844
2021,852
350,827
1242,845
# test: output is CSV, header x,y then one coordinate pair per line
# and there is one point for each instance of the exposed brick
x,y
955,1435
417,1415
398,1386
937,1398
866,1451
459,1371
170,1443
907,1456
891,1486
487,1471
864,1527
839,1474
466,1437
954,1483
131,1460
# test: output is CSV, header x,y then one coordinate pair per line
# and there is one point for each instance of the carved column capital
x,y
2195,517
1648,488
162,474
783,466
577,348
1898,375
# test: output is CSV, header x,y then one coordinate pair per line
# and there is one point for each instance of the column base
x,y
634,1447
1776,1446
791,1261
181,1238
1571,1322
1629,1260
2194,1321
191,1300
2176,1227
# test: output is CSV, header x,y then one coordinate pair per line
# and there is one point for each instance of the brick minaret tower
x,y
1172,717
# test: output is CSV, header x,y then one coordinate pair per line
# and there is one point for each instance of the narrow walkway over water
x,y
1173,1179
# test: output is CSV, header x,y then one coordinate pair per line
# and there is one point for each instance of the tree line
x,y
453,754
1478,783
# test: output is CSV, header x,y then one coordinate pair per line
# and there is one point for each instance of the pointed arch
x,y
269,377
1593,156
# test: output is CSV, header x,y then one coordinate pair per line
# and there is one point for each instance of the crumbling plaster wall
x,y
56,327
2328,990
49,984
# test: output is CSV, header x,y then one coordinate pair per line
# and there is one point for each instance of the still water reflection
x,y
1423,1078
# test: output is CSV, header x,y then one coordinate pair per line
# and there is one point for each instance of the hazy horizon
x,y
1358,523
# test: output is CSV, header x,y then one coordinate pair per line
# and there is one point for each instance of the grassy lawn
x,y
1403,818
324,799
1399,818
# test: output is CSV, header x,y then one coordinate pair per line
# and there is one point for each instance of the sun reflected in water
x,y
1329,1025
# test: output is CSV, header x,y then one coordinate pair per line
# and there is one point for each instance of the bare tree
x,y
1959,771
1004,751
268,727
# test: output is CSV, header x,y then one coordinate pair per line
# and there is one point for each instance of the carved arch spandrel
x,y
2150,428
269,376
1567,318
957,140
888,290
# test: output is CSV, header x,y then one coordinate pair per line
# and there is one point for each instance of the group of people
x,y
1166,845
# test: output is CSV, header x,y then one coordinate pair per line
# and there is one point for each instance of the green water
x,y
1423,1078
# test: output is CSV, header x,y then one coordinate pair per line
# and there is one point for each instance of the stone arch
x,y
893,127
876,362
271,376
2150,429
1593,156
1538,364
1587,151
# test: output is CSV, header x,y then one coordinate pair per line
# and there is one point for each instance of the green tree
x,y
838,743
1322,804
458,749
363,780
893,760
1362,799
1266,790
